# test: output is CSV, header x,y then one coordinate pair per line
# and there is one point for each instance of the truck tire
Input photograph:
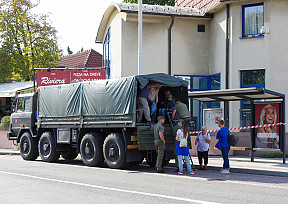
x,y
28,147
91,149
71,154
114,151
47,148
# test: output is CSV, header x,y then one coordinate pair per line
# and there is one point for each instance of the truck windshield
x,y
20,104
23,104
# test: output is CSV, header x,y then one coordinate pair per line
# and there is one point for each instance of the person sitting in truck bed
x,y
182,111
169,103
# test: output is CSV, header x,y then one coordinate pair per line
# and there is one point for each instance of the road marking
x,y
111,189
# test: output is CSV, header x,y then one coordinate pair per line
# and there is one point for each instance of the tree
x,y
153,2
69,51
27,41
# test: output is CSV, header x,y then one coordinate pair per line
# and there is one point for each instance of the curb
x,y
252,171
9,153
246,171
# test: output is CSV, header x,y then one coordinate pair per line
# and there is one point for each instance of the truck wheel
x,y
28,147
47,148
70,154
91,149
114,151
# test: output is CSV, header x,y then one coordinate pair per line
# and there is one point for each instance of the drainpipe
x,y
226,103
169,45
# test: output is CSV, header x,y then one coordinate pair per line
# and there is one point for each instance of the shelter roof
x,y
235,95
12,89
147,10
89,58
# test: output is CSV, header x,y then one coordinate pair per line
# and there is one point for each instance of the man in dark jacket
x,y
223,145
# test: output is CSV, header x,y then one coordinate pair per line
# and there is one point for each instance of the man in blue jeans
x,y
223,145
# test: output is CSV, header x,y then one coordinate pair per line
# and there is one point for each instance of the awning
x,y
12,89
235,95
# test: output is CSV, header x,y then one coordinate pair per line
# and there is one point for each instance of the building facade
x,y
240,42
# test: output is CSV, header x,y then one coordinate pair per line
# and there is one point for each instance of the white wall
x,y
190,48
155,54
217,45
116,48
268,52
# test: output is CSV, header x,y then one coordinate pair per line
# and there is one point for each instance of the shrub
x,y
5,121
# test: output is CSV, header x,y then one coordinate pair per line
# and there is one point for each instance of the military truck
x,y
96,119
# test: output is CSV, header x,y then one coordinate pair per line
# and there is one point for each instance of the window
x,y
201,28
250,78
24,104
106,53
201,83
253,78
20,104
252,19
27,105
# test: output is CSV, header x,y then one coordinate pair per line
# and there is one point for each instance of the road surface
x,y
72,182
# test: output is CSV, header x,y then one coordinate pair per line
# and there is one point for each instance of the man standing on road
x,y
182,111
223,145
159,142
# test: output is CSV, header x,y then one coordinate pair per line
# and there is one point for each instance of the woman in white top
x,y
183,151
203,140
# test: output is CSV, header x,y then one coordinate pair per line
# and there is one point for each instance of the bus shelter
x,y
268,115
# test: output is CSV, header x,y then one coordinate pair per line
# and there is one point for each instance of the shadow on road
x,y
209,175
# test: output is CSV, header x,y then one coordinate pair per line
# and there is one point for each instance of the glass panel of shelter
x,y
249,79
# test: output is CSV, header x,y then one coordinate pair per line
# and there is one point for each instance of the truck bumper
x,y
10,136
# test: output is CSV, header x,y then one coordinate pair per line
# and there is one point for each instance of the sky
x,y
76,21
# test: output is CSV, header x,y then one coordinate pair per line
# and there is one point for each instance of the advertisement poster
x,y
211,117
267,137
45,78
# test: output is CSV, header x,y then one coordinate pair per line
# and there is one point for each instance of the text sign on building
x,y
89,75
45,78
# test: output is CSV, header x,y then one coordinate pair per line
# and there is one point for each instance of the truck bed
x,y
115,121
146,137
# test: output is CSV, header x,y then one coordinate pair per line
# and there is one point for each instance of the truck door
x,y
21,118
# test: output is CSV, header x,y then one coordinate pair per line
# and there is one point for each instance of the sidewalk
x,y
239,164
242,164
9,152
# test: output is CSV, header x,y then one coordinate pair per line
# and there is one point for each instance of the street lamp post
x,y
140,57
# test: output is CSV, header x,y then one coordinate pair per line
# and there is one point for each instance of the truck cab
x,y
23,119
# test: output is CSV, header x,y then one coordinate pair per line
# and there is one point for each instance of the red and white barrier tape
x,y
244,128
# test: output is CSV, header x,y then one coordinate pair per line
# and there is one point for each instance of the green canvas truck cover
x,y
98,98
